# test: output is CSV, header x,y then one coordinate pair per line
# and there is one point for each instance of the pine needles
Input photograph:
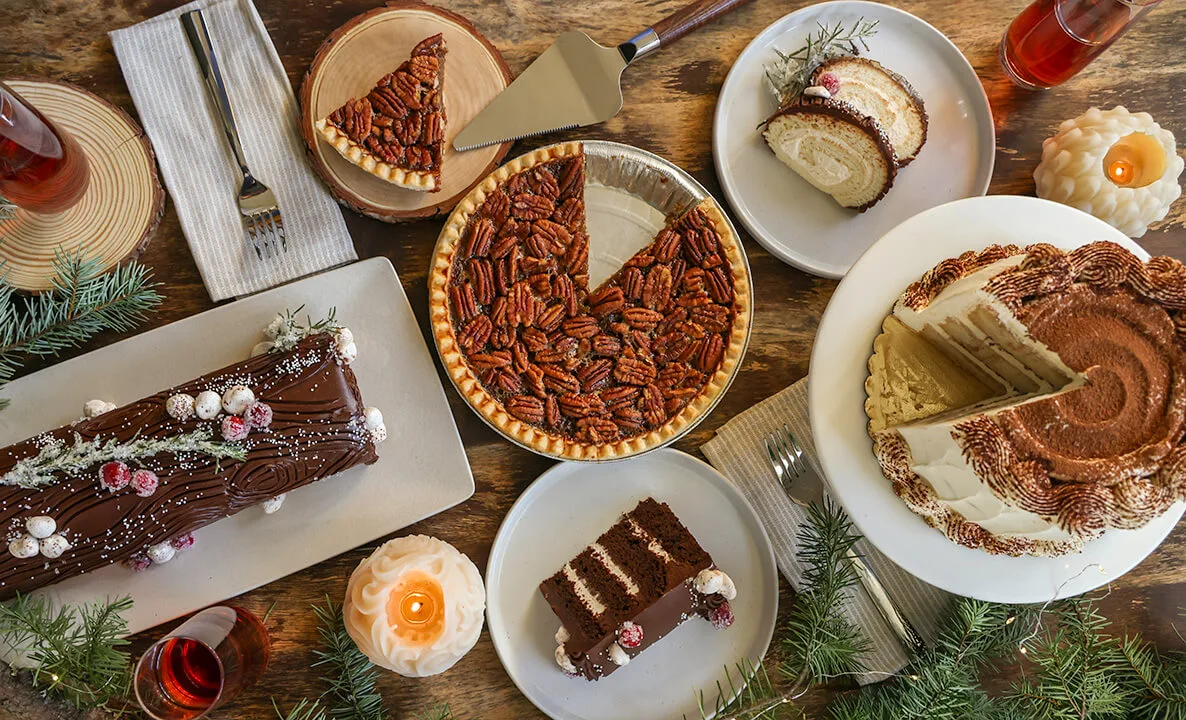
x,y
77,651
351,679
787,76
83,302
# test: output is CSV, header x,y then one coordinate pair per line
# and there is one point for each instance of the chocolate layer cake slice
x,y
131,483
639,581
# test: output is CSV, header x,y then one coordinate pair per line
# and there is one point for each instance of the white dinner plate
x,y
805,227
422,467
836,397
567,508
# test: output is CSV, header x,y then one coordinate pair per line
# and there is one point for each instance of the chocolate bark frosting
x,y
317,430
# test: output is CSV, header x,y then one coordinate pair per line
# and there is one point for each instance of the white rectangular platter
x,y
422,467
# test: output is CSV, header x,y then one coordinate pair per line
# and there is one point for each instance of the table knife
x,y
808,489
576,81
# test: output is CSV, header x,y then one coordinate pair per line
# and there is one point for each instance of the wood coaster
x,y
365,49
121,207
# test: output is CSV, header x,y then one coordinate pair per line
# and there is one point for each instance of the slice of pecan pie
x,y
397,131
574,371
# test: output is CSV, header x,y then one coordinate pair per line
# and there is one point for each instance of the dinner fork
x,y
262,224
789,465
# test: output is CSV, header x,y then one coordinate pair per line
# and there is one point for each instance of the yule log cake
x,y
1027,400
131,483
640,580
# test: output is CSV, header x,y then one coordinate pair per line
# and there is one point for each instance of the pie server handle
x,y
675,26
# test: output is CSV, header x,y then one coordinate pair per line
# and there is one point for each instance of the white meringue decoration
x,y
180,406
366,607
95,408
618,655
344,336
41,526
273,504
53,546
713,581
562,635
817,91
373,417
564,661
262,348
208,404
379,434
161,552
24,547
237,399
347,352
278,325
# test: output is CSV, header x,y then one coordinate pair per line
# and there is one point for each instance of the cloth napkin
x,y
198,168
738,450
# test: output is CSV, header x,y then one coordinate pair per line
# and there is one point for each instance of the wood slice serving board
x,y
365,49
122,205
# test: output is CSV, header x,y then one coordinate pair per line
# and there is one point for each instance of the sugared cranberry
x,y
259,415
115,475
138,563
183,542
630,635
721,616
234,428
830,81
145,482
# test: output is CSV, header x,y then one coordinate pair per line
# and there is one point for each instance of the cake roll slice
x,y
131,483
639,581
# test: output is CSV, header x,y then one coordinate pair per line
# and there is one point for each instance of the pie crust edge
x,y
491,409
360,157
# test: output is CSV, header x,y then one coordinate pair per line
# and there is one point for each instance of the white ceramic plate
x,y
837,396
567,508
803,226
422,467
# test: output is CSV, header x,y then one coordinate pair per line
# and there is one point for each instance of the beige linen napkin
x,y
738,450
199,170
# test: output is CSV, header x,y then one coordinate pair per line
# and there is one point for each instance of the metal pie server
x,y
576,82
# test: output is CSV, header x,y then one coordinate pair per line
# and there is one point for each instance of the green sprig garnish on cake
x,y
845,123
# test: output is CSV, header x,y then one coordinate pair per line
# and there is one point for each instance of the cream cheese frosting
x,y
415,606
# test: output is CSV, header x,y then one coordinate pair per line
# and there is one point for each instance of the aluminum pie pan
x,y
629,193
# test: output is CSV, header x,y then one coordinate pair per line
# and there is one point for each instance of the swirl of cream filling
x,y
415,606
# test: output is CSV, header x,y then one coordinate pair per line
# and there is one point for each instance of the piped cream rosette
x,y
415,606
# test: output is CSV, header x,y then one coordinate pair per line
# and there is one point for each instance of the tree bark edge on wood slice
x,y
355,188
118,217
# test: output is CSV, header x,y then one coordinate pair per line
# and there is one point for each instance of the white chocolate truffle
x,y
262,348
24,547
95,408
1075,168
564,661
41,526
416,606
618,655
237,399
273,504
161,552
208,404
712,581
53,546
180,406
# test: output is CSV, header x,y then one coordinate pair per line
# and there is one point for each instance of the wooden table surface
x,y
669,101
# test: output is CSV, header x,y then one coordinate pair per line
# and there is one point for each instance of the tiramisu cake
x,y
639,581
1024,401
131,483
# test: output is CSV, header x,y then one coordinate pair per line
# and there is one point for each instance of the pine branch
x,y
82,303
1157,683
819,641
76,651
787,76
436,712
351,679
304,710
748,694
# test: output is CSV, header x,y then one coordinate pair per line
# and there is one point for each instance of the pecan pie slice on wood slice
x,y
569,370
397,131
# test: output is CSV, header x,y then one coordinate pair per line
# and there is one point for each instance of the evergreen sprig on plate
x,y
787,76
83,302
77,651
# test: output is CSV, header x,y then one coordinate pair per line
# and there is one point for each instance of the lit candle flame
x,y
1121,172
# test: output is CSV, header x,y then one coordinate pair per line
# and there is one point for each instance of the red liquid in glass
x,y
190,674
41,169
1051,40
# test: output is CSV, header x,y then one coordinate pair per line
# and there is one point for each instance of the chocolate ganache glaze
x,y
317,430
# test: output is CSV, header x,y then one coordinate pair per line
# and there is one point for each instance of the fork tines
x,y
265,230
785,453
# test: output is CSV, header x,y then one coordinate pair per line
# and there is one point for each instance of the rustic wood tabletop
x,y
669,101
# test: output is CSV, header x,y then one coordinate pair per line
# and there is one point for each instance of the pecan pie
x,y
574,371
397,131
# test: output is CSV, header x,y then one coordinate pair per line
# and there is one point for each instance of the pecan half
x,y
595,375
482,274
572,176
552,411
651,405
534,377
481,235
488,361
559,381
551,317
475,334
619,396
667,246
656,291
570,212
634,371
632,283
531,207
580,406
713,318
712,349
597,430
719,285
464,303
527,408
496,207
641,318
606,345
581,326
